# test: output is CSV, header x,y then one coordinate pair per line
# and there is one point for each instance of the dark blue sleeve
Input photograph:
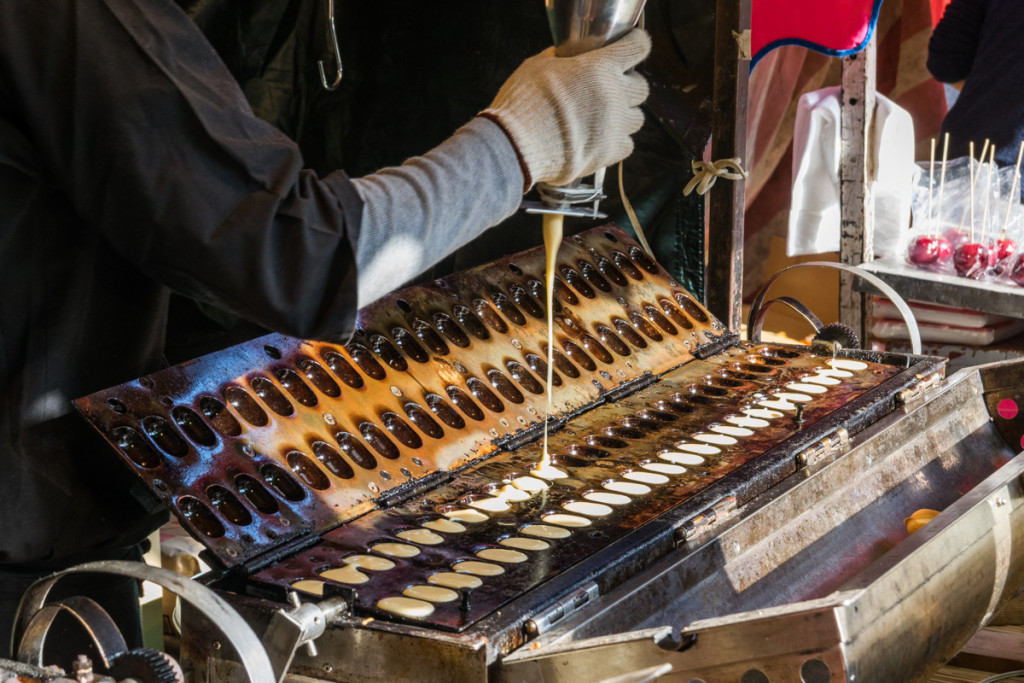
x,y
954,43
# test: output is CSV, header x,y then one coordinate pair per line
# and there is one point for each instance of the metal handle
x,y
239,635
889,292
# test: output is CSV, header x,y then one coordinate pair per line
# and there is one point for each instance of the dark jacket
x,y
130,162
980,41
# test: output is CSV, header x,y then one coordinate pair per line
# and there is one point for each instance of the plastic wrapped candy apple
x,y
957,237
1001,254
971,260
1017,271
928,250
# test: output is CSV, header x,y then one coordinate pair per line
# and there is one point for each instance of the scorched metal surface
x,y
290,458
276,439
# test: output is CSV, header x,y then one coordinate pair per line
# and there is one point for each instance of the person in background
x,y
131,165
976,47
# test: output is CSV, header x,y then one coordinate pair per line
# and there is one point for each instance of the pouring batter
x,y
553,228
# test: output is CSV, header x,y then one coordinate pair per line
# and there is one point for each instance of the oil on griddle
x,y
290,458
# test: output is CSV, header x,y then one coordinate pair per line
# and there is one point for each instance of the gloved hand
x,y
570,116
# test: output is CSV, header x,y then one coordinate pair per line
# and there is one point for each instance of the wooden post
x,y
856,172
724,275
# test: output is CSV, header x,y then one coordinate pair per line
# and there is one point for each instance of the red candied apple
x,y
945,250
1004,249
1017,272
971,260
1001,255
956,237
924,250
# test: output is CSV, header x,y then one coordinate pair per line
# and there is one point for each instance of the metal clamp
x,y
569,200
300,626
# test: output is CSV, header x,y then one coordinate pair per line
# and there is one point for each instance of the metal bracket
x,y
102,631
773,642
893,296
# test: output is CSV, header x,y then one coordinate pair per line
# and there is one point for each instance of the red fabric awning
x,y
834,27
938,7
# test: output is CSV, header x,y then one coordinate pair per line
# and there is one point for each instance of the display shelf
x,y
948,290
959,355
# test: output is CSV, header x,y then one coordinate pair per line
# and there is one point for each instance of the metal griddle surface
x,y
600,446
277,440
283,456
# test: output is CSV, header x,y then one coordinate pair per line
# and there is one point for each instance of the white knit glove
x,y
570,116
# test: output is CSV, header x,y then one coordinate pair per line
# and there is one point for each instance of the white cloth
x,y
814,215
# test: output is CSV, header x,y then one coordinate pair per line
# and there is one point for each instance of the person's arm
x,y
143,127
954,42
414,215
554,120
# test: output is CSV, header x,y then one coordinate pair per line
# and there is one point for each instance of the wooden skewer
x,y
988,190
963,217
942,174
931,182
1013,189
971,197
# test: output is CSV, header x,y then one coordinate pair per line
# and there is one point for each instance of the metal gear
x,y
146,665
840,334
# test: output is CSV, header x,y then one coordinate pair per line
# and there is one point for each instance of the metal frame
x,y
724,271
856,171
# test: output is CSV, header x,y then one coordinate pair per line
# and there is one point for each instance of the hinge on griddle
x,y
279,552
629,388
547,618
412,489
917,395
704,521
828,449
716,345
516,440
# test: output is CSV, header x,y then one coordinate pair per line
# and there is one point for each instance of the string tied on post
x,y
705,173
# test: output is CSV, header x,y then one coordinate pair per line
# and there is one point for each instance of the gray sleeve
x,y
417,213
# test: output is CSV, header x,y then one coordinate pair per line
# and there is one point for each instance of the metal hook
x,y
337,51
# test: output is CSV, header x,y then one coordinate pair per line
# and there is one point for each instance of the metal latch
x,y
290,629
702,522
828,449
561,609
917,395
